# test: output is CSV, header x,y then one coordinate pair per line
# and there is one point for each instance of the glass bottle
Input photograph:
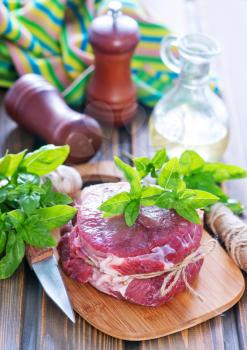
x,y
191,115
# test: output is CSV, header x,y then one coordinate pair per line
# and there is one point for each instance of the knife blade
x,y
45,266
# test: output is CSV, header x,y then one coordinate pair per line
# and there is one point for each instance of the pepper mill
x,y
111,94
39,108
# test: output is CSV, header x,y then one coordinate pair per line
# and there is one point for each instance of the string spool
x,y
231,230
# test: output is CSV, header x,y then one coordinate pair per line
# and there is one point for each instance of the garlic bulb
x,y
66,179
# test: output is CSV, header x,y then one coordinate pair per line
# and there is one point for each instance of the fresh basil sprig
x,y
126,203
170,192
202,175
185,185
29,208
146,166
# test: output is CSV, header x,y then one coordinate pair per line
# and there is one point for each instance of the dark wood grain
x,y
28,319
11,311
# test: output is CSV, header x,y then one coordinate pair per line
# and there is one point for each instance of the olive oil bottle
x,y
191,115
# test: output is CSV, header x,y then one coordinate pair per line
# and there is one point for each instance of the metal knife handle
x,y
35,255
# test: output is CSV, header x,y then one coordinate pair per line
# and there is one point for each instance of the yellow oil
x,y
206,136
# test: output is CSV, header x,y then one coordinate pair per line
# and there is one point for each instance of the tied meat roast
x,y
112,256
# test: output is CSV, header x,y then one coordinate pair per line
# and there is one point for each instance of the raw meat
x,y
107,253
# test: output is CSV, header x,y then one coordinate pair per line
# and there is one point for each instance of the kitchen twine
x,y
176,271
231,230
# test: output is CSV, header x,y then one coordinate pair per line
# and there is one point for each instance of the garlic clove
x,y
66,179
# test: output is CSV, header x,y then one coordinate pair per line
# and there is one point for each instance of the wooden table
x,y
28,319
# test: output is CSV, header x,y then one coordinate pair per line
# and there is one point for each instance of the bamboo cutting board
x,y
220,283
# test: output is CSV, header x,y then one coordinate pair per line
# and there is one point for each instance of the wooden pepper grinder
x,y
111,94
39,108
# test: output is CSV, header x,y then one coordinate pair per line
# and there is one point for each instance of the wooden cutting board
x,y
220,283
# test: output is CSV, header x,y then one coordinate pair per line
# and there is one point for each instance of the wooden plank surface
x,y
28,320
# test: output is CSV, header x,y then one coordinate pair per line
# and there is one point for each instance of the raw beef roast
x,y
116,259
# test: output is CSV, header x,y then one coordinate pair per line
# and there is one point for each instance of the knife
x,y
45,266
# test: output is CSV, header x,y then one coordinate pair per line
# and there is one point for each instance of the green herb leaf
x,y
28,203
54,198
131,212
3,194
45,159
235,206
197,199
159,159
131,175
56,216
24,178
170,177
49,197
3,239
188,213
36,235
145,165
116,204
190,161
15,250
10,163
167,200
150,194
205,182
16,217
222,172
142,165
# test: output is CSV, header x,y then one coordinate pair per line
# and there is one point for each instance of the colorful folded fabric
x,y
50,37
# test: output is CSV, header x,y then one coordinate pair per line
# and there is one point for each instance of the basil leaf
x,y
159,159
145,165
131,175
53,198
14,193
45,159
150,194
235,206
190,161
16,217
197,199
167,200
223,172
24,178
3,239
3,194
37,235
10,163
169,177
142,165
54,217
28,203
204,182
188,213
15,250
181,186
50,197
116,204
131,212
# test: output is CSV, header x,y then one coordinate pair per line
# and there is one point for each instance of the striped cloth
x,y
50,37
